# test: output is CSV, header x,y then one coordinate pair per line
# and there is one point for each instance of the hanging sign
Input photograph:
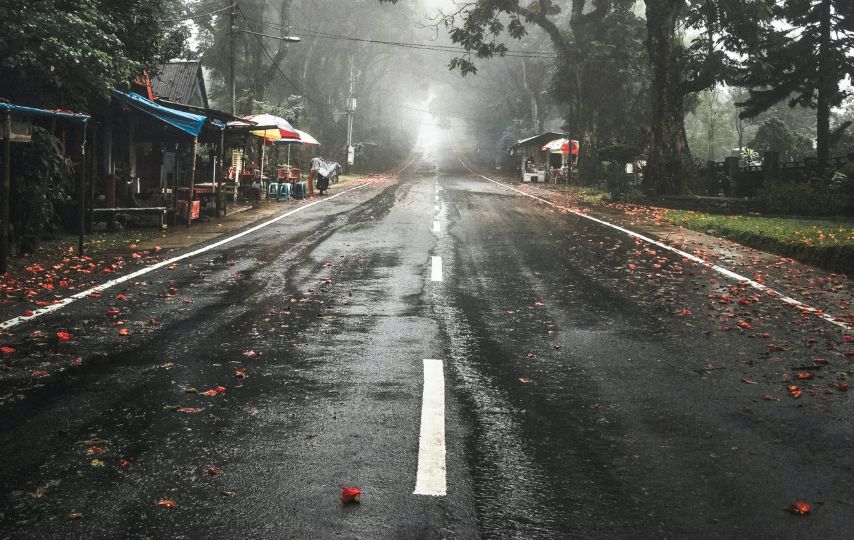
x,y
22,130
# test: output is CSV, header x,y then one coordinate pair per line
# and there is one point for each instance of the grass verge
x,y
587,195
822,242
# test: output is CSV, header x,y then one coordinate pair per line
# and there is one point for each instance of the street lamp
x,y
290,39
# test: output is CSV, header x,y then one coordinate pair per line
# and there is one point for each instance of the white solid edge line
x,y
436,226
432,469
719,269
436,272
112,283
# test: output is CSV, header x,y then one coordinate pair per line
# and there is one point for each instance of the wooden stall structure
x,y
15,122
534,162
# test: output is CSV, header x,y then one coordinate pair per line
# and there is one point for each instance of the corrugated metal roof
x,y
540,139
176,82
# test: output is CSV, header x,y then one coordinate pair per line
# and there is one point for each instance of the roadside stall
x,y
223,136
289,173
269,128
161,157
534,162
16,126
566,152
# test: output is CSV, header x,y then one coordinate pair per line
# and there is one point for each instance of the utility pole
x,y
351,108
233,36
4,191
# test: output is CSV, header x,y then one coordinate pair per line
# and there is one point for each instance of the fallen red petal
x,y
351,495
800,508
215,391
188,410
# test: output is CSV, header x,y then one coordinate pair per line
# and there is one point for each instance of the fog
x,y
399,55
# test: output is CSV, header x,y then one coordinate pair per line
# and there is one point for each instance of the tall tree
x,y
682,66
804,62
253,48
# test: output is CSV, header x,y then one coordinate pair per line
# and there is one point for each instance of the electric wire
x,y
418,46
307,32
257,36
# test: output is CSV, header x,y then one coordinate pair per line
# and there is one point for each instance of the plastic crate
x,y
194,212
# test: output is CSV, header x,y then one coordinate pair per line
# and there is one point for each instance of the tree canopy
x,y
69,54
803,61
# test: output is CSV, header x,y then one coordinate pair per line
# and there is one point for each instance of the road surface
x,y
478,363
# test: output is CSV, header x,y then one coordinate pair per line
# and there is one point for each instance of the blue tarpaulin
x,y
30,111
186,122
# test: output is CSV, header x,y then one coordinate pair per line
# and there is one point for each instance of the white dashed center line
x,y
431,477
436,226
436,273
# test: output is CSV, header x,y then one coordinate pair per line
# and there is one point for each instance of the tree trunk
x,y
669,160
535,111
825,86
589,166
710,132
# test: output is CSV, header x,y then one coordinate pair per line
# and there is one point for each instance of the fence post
x,y
731,170
712,183
770,168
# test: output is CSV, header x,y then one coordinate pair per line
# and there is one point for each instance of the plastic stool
x,y
300,190
284,191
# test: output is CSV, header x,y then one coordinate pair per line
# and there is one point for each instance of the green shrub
x,y
843,181
41,180
813,199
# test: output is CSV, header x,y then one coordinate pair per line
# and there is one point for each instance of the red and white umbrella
x,y
304,138
272,127
555,145
562,146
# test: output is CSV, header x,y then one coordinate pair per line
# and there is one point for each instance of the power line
x,y
306,32
198,15
257,36
418,46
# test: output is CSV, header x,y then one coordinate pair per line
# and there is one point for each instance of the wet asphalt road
x,y
590,391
